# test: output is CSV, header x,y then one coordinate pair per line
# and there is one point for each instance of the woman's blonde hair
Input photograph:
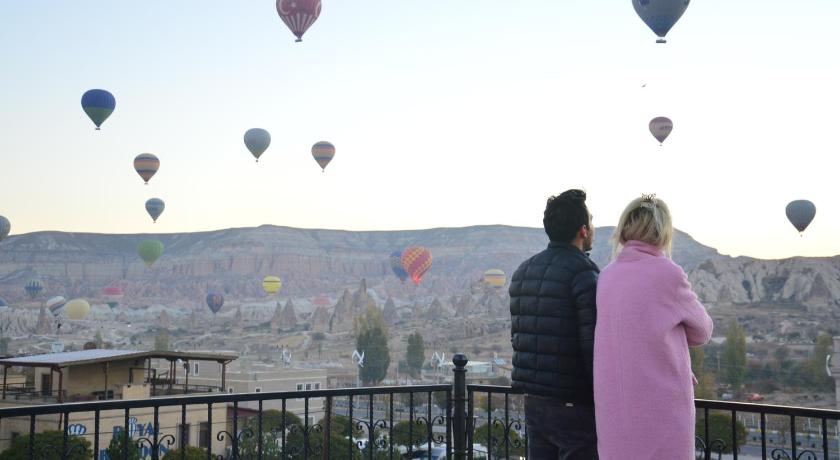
x,y
645,219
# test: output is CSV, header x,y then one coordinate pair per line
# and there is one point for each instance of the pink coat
x,y
648,316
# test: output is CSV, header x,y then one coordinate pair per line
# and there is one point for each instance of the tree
x,y
272,434
410,433
496,444
720,427
735,357
415,354
818,379
98,340
162,340
372,339
116,447
192,453
47,447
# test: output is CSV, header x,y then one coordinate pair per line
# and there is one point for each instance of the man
x,y
552,307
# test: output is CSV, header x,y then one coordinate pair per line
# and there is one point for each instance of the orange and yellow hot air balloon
x,y
416,261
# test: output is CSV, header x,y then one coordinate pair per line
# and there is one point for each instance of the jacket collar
x,y
635,249
563,245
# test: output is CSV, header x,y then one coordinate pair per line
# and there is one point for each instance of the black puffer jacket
x,y
552,306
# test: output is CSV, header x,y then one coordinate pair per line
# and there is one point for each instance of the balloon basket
x,y
97,128
661,40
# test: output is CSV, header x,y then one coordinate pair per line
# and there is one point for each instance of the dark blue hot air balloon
x,y
155,206
98,104
800,213
660,15
33,288
215,300
396,266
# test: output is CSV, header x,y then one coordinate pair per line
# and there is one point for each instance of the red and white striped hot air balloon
x,y
299,15
416,261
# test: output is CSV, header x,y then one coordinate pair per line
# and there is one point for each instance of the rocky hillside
x,y
309,261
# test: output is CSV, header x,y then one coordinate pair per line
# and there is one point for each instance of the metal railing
x,y
460,421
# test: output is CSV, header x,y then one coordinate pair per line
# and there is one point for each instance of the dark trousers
x,y
557,431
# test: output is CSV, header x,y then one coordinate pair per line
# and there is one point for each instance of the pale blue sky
x,y
443,112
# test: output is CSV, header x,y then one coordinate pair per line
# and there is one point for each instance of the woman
x,y
648,316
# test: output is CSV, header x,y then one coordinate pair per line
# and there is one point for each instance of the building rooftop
x,y
75,358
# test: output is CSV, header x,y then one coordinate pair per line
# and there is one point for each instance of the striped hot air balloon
x,y
146,166
323,152
98,104
112,295
55,304
299,15
272,285
33,288
416,261
495,278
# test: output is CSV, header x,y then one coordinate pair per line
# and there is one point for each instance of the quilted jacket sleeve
x,y
583,292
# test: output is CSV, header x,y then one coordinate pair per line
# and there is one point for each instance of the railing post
x,y
459,427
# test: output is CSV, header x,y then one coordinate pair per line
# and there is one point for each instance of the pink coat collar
x,y
635,250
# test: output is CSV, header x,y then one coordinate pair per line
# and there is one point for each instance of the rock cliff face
x,y
812,283
311,262
308,261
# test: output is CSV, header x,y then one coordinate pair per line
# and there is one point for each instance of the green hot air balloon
x,y
150,251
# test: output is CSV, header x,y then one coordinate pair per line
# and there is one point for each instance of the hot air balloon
x,y
150,251
495,278
299,15
321,301
396,265
77,308
33,288
257,140
272,285
215,300
661,128
146,166
55,304
5,228
800,213
98,104
112,295
416,261
155,206
323,152
660,15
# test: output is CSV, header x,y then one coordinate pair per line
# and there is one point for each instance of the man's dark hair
x,y
564,215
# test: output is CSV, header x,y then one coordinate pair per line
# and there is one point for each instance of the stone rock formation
x,y
289,318
389,312
320,320
44,325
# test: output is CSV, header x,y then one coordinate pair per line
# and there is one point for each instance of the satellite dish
x,y
828,365
287,356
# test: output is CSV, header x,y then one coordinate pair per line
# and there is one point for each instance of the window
x,y
183,436
258,390
195,368
308,386
317,385
15,435
230,390
299,387
204,435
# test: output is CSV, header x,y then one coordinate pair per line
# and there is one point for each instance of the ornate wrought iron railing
x,y
460,421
